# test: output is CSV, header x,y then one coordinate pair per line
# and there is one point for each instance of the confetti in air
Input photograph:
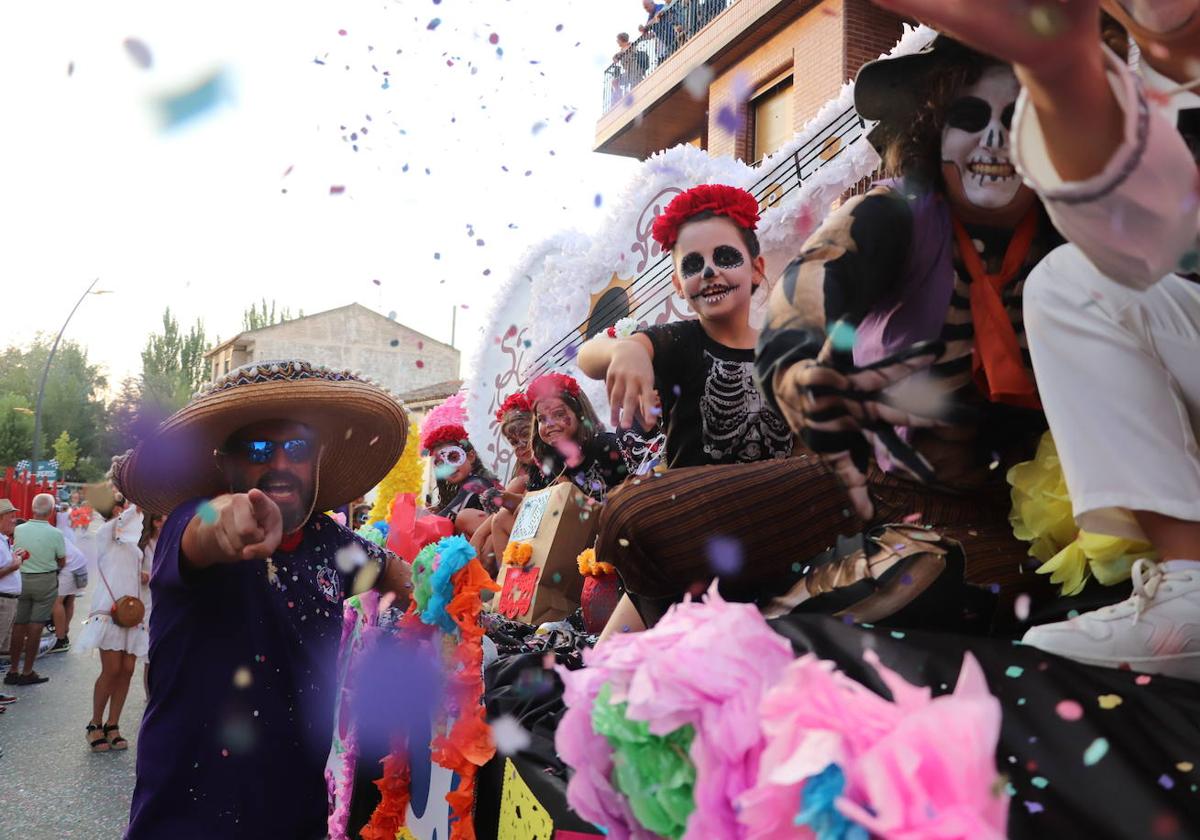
x,y
509,736
189,103
724,555
139,53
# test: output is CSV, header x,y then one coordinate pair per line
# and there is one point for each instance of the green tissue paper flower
x,y
654,772
422,575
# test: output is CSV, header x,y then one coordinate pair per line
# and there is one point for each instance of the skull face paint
x,y
976,141
713,270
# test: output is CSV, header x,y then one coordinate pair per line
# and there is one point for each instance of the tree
x,y
16,429
255,318
172,366
66,452
72,400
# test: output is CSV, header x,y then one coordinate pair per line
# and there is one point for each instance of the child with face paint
x,y
697,376
1114,317
569,442
515,418
466,488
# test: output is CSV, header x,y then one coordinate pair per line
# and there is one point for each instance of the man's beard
x,y
293,511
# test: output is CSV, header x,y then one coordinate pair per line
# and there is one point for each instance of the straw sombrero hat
x,y
361,428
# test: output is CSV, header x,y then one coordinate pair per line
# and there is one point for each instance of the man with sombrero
x,y
248,582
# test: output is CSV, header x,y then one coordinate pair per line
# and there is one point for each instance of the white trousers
x,y
1118,371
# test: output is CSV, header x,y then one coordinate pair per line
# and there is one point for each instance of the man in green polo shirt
x,y
46,552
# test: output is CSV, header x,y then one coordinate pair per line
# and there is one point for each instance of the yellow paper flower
x,y
407,476
589,566
1042,516
518,554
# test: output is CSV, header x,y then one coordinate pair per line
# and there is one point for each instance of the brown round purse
x,y
128,611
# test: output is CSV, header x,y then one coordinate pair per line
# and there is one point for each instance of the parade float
x,y
719,723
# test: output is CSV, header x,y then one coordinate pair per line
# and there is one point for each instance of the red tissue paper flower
x,y
514,402
732,202
552,385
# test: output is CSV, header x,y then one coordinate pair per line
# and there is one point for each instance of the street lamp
x,y
37,412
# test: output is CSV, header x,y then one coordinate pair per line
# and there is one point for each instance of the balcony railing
x,y
651,290
673,27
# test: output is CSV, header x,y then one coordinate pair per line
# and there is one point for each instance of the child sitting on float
x,y
569,441
701,370
466,488
515,418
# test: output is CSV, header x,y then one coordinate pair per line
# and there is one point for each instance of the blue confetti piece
x,y
207,513
434,24
182,107
1014,671
842,336
598,200
1040,782
1166,781
1095,751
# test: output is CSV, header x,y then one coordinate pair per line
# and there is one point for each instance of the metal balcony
x,y
674,26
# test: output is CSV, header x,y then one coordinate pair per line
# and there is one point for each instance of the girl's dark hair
x,y
147,530
447,491
914,151
589,426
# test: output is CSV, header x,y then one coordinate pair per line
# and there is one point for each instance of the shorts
x,y
8,611
38,591
66,583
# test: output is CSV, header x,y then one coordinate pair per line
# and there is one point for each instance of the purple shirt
x,y
239,713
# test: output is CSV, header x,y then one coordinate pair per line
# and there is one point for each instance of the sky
x,y
263,195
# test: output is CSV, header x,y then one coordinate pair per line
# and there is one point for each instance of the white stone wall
x,y
359,339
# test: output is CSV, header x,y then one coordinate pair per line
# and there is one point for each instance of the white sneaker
x,y
1156,630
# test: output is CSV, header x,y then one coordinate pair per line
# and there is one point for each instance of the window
x,y
772,111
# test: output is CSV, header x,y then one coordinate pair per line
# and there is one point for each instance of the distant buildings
x,y
736,77
353,337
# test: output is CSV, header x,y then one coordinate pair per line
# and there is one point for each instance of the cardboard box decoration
x,y
557,523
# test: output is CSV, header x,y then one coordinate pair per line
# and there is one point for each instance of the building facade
x,y
351,337
736,77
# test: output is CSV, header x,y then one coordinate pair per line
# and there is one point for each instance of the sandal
x,y
117,743
100,742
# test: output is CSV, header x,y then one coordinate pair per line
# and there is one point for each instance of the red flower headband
x,y
552,385
721,200
514,402
449,433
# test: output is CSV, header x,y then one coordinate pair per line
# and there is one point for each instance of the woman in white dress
x,y
119,568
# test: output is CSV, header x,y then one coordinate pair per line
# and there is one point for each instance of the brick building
x,y
759,69
354,337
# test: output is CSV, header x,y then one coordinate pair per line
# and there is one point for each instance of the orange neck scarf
x,y
998,367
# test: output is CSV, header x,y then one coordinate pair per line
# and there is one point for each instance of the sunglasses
x,y
972,114
297,450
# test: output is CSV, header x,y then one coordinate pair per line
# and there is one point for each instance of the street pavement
x,y
51,786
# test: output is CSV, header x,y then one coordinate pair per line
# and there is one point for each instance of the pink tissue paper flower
x,y
707,664
919,767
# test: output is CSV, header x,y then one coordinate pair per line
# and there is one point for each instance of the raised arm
x,y
627,367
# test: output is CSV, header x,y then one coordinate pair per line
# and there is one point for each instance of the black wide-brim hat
x,y
361,430
892,90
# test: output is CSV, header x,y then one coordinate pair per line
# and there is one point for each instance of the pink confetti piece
x,y
912,518
420,363
1142,679
336,189
1069,710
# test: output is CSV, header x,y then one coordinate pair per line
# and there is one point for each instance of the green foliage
x,y
16,429
172,366
72,400
255,318
66,451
